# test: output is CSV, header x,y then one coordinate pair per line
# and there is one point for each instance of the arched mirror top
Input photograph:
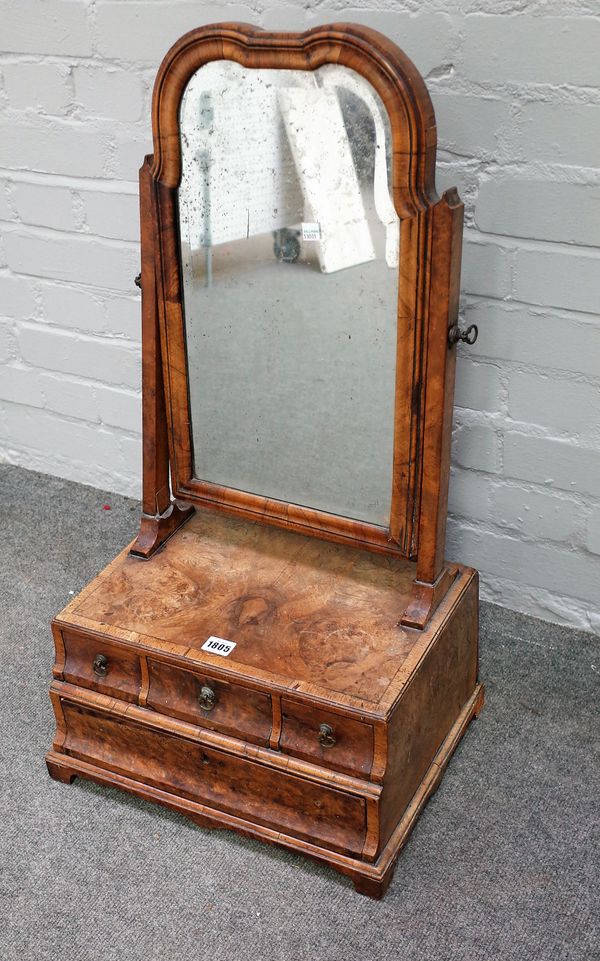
x,y
368,53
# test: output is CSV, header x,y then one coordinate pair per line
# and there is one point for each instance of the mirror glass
x,y
289,251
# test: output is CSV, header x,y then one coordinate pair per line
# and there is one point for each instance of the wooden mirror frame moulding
x,y
429,274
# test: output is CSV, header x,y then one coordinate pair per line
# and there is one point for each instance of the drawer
x,y
227,782
215,704
101,666
333,740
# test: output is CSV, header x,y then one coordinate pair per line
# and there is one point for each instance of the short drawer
x,y
215,704
338,742
226,782
101,666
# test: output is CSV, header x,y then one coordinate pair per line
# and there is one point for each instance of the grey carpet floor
x,y
503,863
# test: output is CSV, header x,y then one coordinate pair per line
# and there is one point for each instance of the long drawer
x,y
228,782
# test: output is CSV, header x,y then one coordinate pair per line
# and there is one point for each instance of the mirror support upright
x,y
434,576
161,514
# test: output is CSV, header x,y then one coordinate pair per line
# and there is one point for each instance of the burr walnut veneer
x,y
343,667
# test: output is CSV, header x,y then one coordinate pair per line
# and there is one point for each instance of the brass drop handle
x,y
326,737
207,698
468,336
100,665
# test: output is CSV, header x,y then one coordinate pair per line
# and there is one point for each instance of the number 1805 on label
x,y
218,645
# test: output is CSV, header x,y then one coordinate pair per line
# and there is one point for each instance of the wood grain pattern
x,y
439,686
238,710
163,615
123,672
378,643
152,720
156,488
160,517
371,879
234,785
295,606
433,686
353,749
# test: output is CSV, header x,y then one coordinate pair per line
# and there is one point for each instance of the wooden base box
x,y
326,727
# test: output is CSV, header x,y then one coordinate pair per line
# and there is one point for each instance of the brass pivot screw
x,y
468,336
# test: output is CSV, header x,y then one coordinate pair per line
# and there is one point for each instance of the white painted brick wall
x,y
516,87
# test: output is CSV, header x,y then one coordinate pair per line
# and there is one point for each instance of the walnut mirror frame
x,y
428,289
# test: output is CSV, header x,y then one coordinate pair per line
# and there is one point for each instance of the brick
x,y
6,210
563,464
538,514
109,92
477,446
46,26
429,39
560,133
69,397
72,307
119,408
135,31
558,278
540,210
486,268
124,317
469,494
40,440
80,442
593,533
60,146
130,149
471,126
546,566
130,455
285,18
85,260
477,385
21,385
37,86
111,361
16,297
563,405
464,176
523,49
8,346
113,214
44,205
526,335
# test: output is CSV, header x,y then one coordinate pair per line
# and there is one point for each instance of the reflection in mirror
x,y
289,243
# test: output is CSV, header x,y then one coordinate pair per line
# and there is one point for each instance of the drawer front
x,y
308,732
101,666
215,704
226,782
